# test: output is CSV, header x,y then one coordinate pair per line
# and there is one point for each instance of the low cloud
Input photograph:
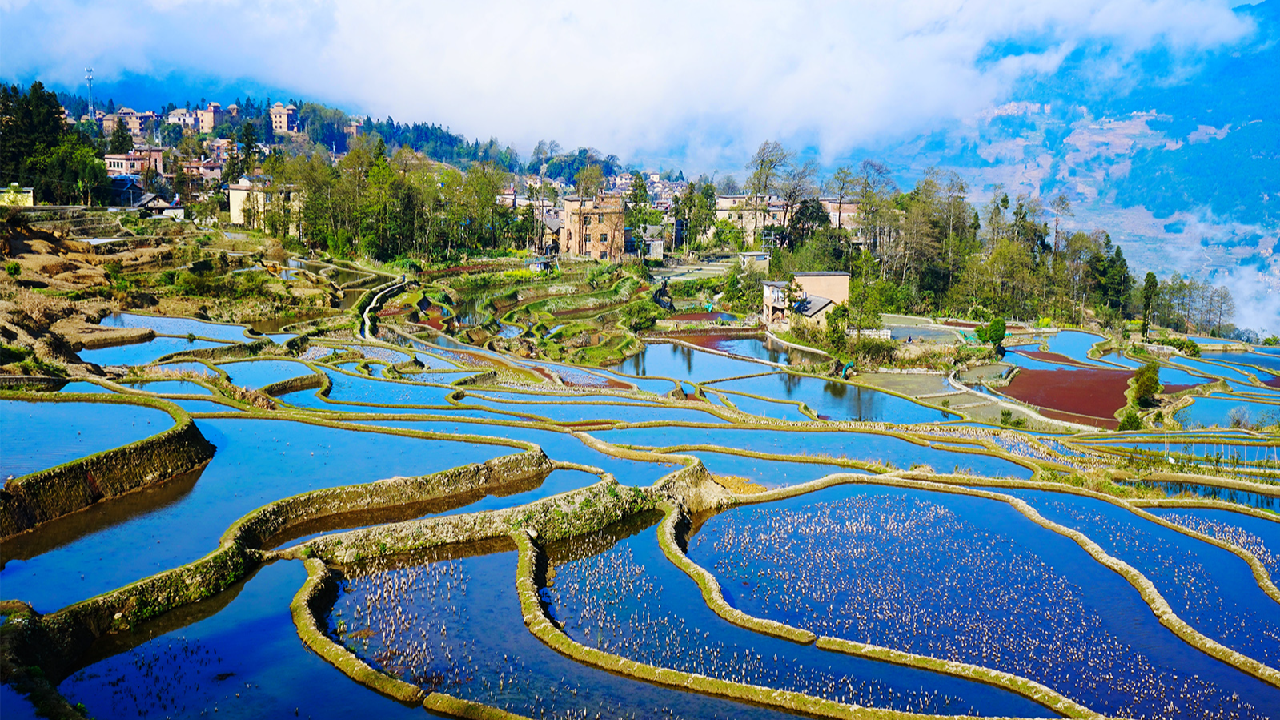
x,y
699,83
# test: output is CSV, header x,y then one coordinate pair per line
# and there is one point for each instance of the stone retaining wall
x,y
37,498
60,639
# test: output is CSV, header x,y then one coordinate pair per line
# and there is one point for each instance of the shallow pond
x,y
835,400
40,435
627,598
1257,535
867,447
84,386
143,352
170,387
1073,344
679,362
257,462
598,411
966,579
1267,361
1261,501
240,657
1211,589
1217,410
763,408
557,445
178,326
260,373
1213,369
769,474
455,626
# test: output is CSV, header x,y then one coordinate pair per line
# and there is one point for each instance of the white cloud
x,y
711,79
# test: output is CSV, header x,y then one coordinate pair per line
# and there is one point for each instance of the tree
x,y
992,333
797,186
1146,383
1149,290
841,184
121,141
588,181
809,217
767,167
728,185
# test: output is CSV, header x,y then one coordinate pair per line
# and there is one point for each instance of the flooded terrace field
x,y
638,572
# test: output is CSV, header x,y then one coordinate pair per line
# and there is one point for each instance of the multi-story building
x,y
183,117
284,118
209,118
135,161
752,213
595,227
258,202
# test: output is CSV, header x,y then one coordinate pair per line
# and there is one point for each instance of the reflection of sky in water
x,y
684,363
557,446
660,618
1216,409
257,462
969,579
1211,369
245,660
836,400
259,373
867,447
170,387
1074,344
1212,589
1269,361
142,353
770,474
39,435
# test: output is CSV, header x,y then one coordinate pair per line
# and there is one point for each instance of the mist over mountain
x,y
1183,168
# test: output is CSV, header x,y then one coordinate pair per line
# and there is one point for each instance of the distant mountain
x,y
1183,169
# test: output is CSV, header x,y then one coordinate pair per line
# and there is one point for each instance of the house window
x,y
604,237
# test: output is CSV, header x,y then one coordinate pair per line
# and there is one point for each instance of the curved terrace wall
x,y
43,496
58,640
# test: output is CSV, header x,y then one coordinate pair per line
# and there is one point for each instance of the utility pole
x,y
88,77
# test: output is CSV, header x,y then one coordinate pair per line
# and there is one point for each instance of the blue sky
x,y
692,85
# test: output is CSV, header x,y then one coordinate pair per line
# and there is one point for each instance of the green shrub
x,y
1130,421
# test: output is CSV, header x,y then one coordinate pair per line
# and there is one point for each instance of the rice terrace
x,y
962,404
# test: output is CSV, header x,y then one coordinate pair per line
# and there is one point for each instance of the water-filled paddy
x,y
1210,588
755,347
1217,410
1258,536
557,445
772,474
599,411
764,408
40,435
240,657
84,386
679,362
259,373
455,626
178,326
170,387
629,599
969,580
1261,501
257,462
143,352
1267,361
867,447
835,400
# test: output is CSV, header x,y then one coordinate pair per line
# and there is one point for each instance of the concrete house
x,y
816,293
594,228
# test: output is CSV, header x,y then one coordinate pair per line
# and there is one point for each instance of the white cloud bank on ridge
x,y
709,80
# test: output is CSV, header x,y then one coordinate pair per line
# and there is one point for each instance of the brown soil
x,y
1093,393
